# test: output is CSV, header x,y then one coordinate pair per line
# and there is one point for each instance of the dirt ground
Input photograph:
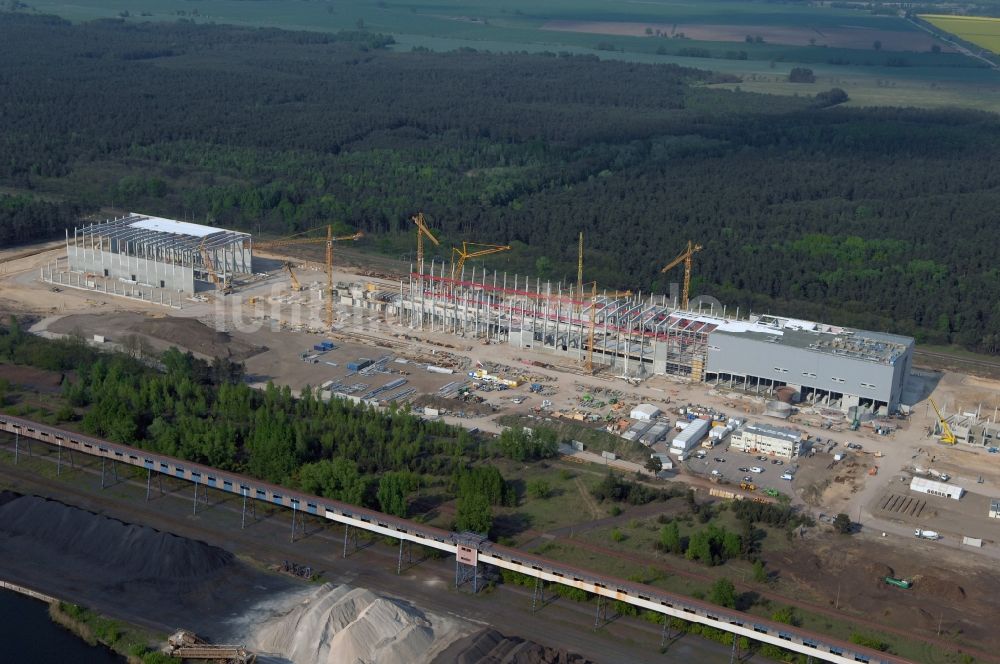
x,y
35,380
160,331
839,37
956,590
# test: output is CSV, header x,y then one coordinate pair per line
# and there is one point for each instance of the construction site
x,y
461,341
631,336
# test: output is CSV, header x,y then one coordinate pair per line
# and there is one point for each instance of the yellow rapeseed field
x,y
979,30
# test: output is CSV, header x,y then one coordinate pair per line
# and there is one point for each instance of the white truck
x,y
926,534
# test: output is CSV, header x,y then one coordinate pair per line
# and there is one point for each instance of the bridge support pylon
x,y
467,550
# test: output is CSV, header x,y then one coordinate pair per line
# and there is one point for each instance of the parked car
x,y
778,462
719,460
715,471
756,469
787,476
748,479
744,469
762,458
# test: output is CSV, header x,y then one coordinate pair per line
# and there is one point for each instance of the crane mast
x,y
298,240
685,258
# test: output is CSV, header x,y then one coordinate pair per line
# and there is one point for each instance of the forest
x,y
181,406
882,218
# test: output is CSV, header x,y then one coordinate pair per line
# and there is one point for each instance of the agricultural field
x,y
979,30
873,52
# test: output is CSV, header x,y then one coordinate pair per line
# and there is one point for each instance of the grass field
x,y
978,30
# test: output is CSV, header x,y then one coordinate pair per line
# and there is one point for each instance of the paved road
x,y
427,584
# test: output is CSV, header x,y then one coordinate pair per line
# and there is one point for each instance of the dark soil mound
x,y
491,647
135,553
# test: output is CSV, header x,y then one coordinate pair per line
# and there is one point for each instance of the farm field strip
x,y
979,30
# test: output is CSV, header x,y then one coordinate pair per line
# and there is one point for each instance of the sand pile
x,y
345,625
135,553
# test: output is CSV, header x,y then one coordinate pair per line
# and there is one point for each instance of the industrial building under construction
x,y
156,252
641,336
631,336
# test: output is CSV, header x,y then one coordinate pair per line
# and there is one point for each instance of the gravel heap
x,y
134,553
345,625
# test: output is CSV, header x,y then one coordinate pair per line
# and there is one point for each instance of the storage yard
x,y
837,420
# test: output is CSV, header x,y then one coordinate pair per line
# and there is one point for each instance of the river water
x,y
28,636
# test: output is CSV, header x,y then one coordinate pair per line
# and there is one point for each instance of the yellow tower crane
x,y
947,435
579,274
297,239
593,319
464,254
685,257
422,230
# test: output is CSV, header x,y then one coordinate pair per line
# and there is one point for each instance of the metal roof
x,y
140,229
161,225
923,484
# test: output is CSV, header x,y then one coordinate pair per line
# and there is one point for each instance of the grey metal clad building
x,y
158,252
825,364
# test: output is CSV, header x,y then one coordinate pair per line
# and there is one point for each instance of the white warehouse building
x,y
767,439
645,412
935,488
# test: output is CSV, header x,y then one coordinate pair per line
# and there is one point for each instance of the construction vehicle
x,y
947,436
748,486
297,239
422,230
685,258
905,584
464,254
593,321
221,285
296,286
